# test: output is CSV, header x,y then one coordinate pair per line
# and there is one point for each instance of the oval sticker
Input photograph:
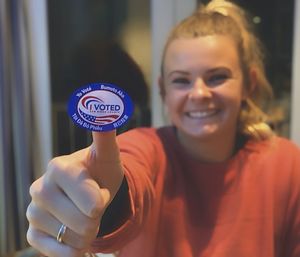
x,y
100,107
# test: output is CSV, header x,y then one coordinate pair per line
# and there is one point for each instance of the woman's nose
x,y
199,90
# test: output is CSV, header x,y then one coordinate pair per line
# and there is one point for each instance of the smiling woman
x,y
249,57
216,182
204,88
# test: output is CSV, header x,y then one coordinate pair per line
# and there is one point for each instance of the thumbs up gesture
x,y
69,200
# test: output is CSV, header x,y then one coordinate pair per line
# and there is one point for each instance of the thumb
x,y
104,146
104,165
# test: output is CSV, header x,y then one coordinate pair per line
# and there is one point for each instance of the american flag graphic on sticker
x,y
100,107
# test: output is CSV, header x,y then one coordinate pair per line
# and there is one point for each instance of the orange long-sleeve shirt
x,y
248,206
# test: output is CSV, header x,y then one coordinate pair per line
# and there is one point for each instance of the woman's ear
x,y
162,90
252,84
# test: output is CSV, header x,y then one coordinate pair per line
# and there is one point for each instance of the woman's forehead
x,y
209,50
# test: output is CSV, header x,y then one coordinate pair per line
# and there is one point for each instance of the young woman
x,y
216,182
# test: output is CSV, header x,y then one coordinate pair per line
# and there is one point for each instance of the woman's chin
x,y
201,132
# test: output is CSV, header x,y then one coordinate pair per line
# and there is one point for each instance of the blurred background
x,y
50,48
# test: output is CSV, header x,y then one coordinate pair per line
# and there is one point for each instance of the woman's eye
x,y
217,79
180,82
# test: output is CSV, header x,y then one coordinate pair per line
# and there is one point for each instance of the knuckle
x,y
57,168
34,214
30,213
54,163
39,192
30,236
34,189
54,166
61,167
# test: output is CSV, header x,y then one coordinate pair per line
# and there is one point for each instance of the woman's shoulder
x,y
274,145
285,142
285,150
278,155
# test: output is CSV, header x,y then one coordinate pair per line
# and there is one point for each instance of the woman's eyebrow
x,y
222,68
177,72
210,70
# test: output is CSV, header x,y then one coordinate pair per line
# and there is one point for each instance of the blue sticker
x,y
100,107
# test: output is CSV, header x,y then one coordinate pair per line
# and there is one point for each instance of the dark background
x,y
85,47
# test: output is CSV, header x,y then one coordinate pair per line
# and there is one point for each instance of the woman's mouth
x,y
201,114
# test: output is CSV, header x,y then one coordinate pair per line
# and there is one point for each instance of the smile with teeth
x,y
201,114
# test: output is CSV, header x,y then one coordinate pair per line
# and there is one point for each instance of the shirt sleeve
x,y
139,156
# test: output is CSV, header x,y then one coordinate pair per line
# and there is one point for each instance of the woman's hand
x,y
74,191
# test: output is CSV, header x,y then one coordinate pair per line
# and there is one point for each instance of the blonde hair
x,y
221,17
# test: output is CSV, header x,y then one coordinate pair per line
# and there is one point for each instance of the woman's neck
x,y
212,149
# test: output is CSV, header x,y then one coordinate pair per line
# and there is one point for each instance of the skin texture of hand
x,y
75,191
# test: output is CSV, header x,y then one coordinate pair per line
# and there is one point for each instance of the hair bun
x,y
227,8
219,6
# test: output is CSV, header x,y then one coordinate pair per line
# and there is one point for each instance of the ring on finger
x,y
61,232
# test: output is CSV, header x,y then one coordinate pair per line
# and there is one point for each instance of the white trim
x,y
40,75
295,92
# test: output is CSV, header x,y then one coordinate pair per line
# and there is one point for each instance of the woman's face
x,y
203,85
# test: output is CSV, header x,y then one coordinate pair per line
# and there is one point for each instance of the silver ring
x,y
61,232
